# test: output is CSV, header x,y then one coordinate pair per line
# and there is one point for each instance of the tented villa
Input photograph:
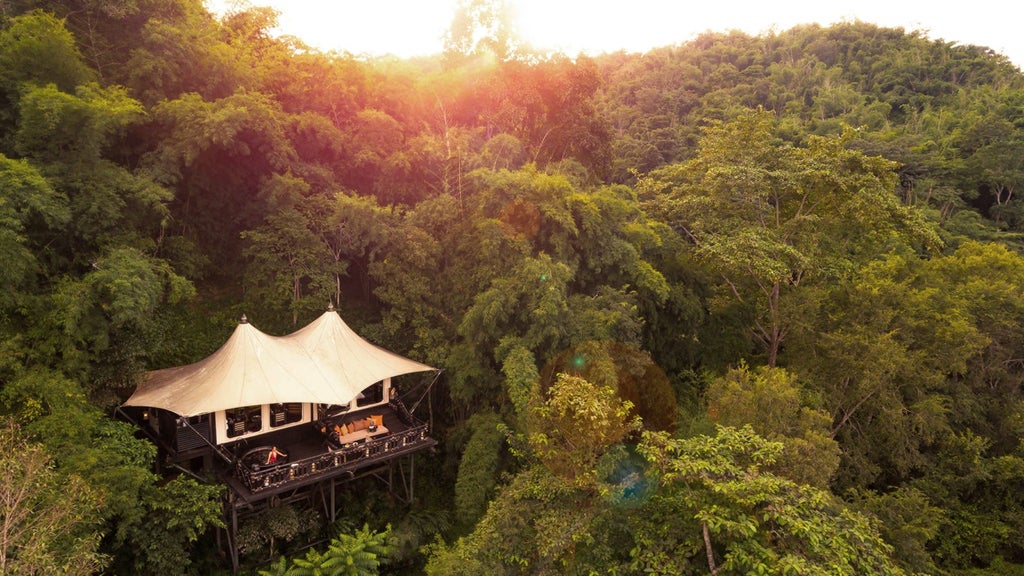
x,y
285,419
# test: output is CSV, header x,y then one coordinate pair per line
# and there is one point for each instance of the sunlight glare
x,y
407,28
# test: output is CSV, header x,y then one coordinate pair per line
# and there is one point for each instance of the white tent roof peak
x,y
339,351
324,362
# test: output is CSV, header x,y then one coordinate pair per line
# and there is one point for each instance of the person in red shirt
x,y
274,454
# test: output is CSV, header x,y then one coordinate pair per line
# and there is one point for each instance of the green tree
x,y
412,279
32,214
478,467
707,503
626,369
533,307
984,279
353,229
521,376
530,305
36,48
771,218
163,50
977,493
359,554
377,163
215,155
542,265
158,533
150,523
112,302
870,367
271,530
575,424
536,524
771,401
71,138
911,350
909,520
718,505
543,520
995,152
289,267
49,521
74,126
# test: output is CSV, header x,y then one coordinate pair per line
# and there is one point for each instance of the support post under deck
x,y
232,539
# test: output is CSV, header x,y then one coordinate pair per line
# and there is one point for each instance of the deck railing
x,y
349,456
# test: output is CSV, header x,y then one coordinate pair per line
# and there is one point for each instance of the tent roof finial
x,y
243,320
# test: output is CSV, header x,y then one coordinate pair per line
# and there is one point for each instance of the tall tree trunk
x,y
708,549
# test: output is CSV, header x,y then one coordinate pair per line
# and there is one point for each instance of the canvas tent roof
x,y
325,362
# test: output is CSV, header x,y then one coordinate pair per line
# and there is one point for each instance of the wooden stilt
x,y
333,504
232,539
412,477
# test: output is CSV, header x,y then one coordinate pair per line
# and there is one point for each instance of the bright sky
x,y
415,27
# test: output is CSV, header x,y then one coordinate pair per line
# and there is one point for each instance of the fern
x,y
358,554
279,568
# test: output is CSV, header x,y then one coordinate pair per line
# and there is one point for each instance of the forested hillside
x,y
743,304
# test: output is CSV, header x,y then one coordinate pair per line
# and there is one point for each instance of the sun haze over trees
x,y
743,304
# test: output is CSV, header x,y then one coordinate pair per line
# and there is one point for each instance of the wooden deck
x,y
311,459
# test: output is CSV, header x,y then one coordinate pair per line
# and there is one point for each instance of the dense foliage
x,y
744,304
